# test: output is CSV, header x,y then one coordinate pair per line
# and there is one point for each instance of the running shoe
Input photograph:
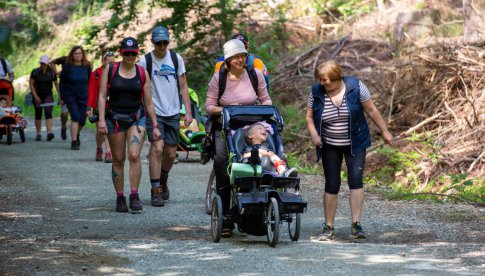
x,y
328,233
121,204
75,145
38,137
50,136
135,203
356,231
99,154
291,172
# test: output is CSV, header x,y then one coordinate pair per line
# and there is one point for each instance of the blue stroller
x,y
260,200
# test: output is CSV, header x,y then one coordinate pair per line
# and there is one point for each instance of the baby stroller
x,y
260,201
11,121
190,138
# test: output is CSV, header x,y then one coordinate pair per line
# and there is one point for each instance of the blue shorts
x,y
169,129
111,125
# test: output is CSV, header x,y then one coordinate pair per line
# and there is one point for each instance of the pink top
x,y
237,92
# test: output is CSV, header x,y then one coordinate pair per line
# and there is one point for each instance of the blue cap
x,y
160,33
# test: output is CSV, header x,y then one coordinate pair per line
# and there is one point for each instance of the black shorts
x,y
169,129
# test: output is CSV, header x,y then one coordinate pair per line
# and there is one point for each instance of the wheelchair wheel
x,y
210,192
294,226
9,135
22,135
216,218
273,222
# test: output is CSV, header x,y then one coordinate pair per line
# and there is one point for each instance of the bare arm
x,y
310,125
34,93
103,91
184,91
371,110
148,102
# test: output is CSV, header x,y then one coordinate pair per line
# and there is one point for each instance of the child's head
x,y
256,134
3,102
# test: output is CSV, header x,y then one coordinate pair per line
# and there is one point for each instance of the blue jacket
x,y
358,128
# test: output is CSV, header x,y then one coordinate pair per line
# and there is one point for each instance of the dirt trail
x,y
57,217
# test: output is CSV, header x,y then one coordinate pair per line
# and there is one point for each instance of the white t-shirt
x,y
3,74
165,93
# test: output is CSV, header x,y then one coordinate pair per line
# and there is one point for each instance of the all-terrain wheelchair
x,y
190,138
260,200
11,121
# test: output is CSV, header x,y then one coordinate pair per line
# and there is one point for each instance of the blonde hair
x,y
331,68
250,131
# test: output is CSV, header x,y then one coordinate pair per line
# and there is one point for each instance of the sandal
x,y
226,233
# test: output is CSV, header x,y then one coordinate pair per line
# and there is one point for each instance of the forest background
x,y
423,60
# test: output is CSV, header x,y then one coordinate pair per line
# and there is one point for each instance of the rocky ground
x,y
57,217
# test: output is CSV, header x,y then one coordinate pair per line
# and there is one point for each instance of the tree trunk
x,y
474,11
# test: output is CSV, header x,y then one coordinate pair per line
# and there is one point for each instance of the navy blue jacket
x,y
358,128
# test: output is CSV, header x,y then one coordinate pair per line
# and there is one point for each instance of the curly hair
x,y
70,57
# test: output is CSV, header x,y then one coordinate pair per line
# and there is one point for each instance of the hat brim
x,y
136,50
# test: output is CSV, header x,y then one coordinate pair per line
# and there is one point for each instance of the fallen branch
x,y
476,161
430,119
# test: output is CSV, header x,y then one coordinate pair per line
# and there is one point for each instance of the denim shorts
x,y
111,124
169,129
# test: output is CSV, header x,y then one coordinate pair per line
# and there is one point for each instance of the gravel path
x,y
57,217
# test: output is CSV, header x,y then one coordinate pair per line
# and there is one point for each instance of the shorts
x,y
111,125
169,129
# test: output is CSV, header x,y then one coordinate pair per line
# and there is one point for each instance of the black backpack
x,y
253,77
4,65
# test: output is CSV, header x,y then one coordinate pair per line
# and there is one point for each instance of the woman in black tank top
x,y
123,119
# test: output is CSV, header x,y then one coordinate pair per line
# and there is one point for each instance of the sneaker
x,y
108,158
63,133
121,204
328,233
291,172
75,145
38,137
164,186
356,231
50,136
99,154
135,203
157,199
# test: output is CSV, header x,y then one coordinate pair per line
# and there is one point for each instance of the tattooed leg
x,y
118,145
135,144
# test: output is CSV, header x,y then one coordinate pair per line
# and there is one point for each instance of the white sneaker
x,y
291,172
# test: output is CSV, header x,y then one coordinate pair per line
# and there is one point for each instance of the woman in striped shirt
x,y
337,125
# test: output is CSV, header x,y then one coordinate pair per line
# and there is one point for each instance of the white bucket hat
x,y
233,47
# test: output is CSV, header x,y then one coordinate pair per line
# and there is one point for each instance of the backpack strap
x,y
253,77
251,61
175,61
143,77
4,65
149,63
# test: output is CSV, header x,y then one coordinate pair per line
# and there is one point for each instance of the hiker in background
x,y
243,86
74,90
338,128
124,99
41,80
94,82
168,83
64,110
252,61
6,71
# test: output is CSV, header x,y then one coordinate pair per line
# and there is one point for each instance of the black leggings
x,y
332,157
221,162
47,109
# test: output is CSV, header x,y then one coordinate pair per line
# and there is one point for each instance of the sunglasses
x,y
109,54
162,43
129,54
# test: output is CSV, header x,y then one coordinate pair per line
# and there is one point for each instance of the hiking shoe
x,y
328,233
157,199
164,186
75,145
135,203
108,158
63,133
292,172
38,137
99,154
356,231
121,204
50,136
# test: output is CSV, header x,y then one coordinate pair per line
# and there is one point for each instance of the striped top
x,y
335,121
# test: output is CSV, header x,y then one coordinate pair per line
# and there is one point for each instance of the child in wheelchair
x,y
257,135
